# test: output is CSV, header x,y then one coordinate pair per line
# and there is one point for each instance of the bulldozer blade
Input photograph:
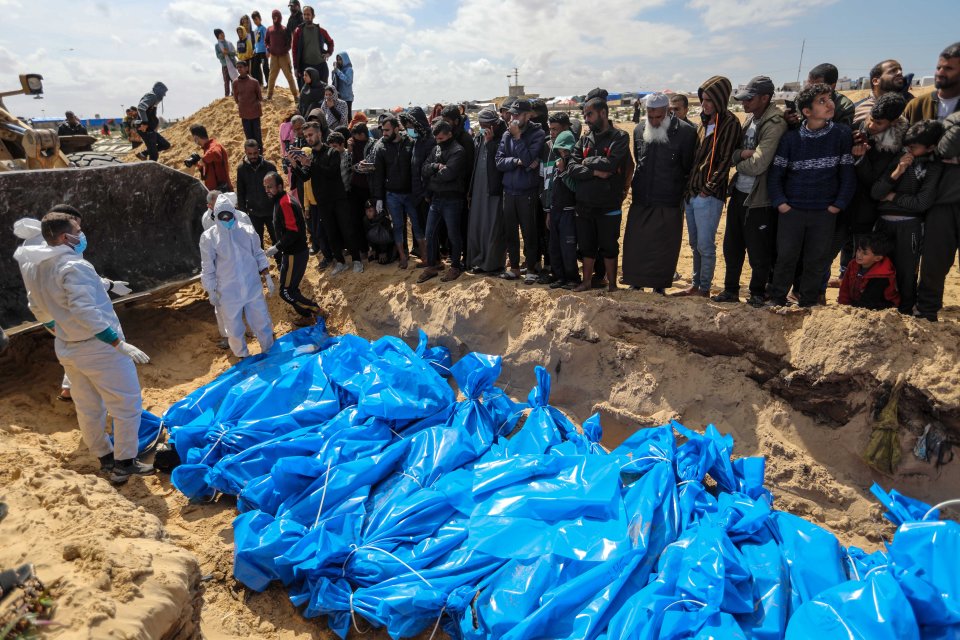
x,y
142,221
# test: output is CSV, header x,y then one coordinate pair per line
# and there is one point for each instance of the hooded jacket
x,y
515,157
65,289
147,108
231,261
422,150
244,44
343,78
278,38
216,168
662,169
770,128
312,94
713,158
325,176
446,171
875,289
251,196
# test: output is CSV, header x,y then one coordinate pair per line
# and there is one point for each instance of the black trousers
x,y
340,229
598,234
292,268
907,237
520,216
563,244
251,129
939,251
318,234
357,197
260,68
155,144
802,236
259,224
748,231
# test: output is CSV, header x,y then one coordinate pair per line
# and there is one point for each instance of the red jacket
x,y
875,289
216,170
278,40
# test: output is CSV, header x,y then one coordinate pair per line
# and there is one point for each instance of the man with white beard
x,y
751,221
663,148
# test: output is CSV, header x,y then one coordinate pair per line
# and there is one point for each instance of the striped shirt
x,y
813,169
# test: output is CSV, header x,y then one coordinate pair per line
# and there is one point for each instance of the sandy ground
x,y
797,387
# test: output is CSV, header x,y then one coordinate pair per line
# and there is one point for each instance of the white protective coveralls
x,y
207,220
28,230
231,261
64,288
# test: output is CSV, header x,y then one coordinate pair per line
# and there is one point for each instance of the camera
x,y
192,160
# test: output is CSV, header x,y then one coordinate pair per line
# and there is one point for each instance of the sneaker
x,y
545,278
357,266
313,251
756,301
774,302
476,271
338,268
141,155
726,296
223,343
451,274
304,321
107,462
123,469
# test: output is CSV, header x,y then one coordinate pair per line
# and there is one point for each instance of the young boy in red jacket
x,y
870,281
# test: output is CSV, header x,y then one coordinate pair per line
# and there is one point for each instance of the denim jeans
x,y
703,219
398,205
450,210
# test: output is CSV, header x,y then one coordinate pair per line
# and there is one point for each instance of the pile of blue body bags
x,y
378,498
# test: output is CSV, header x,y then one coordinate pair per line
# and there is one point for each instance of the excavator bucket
x,y
142,221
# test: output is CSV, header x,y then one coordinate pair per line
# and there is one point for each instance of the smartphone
x,y
791,105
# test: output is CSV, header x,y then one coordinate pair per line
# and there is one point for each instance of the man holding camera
x,y
214,163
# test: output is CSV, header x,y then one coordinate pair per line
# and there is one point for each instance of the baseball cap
x,y
521,106
507,104
758,86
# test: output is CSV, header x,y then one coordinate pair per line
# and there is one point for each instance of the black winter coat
x,y
252,198
660,177
450,181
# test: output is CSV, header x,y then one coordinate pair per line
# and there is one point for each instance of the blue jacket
x,y
515,157
260,39
813,169
343,78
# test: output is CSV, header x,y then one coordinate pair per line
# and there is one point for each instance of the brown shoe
x,y
428,273
691,291
451,274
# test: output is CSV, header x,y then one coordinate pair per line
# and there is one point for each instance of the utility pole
x,y
800,65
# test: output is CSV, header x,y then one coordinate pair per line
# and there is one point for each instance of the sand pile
x,y
222,121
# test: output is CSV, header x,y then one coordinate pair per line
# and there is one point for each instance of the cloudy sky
x,y
96,56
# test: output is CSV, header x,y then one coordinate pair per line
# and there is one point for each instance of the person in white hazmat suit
x,y
234,269
65,293
28,230
207,220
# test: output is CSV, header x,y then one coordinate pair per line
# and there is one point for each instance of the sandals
x,y
508,275
63,398
428,273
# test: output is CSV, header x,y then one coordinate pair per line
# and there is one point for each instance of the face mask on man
x,y
80,242
412,133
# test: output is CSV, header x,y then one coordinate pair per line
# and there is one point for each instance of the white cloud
x,y
226,14
116,39
190,38
727,14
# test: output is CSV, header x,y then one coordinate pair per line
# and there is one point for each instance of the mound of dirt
x,y
222,121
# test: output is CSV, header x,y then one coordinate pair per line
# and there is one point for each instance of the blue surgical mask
x,y
228,223
81,245
412,133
